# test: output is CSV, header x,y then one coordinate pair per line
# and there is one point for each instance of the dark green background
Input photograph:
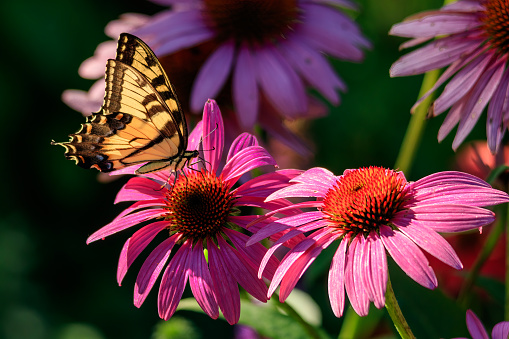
x,y
51,282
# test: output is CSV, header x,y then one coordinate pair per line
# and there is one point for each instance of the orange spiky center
x,y
495,21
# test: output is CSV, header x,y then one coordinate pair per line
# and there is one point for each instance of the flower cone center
x,y
496,24
198,205
364,199
251,20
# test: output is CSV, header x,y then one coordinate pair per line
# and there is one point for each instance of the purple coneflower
x,y
477,330
199,212
472,39
370,210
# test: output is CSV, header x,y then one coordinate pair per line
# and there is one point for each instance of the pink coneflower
x,y
472,39
477,330
370,210
199,212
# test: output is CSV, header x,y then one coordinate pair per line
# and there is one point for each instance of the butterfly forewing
x,y
140,121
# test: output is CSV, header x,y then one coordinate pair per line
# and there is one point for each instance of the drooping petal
x,y
225,286
245,88
354,282
475,326
212,75
435,180
151,269
213,135
195,137
201,283
408,256
495,128
242,141
336,282
135,245
501,330
436,23
174,281
379,269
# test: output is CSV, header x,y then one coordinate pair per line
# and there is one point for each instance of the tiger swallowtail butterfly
x,y
140,121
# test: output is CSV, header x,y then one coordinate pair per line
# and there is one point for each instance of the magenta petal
x,y
247,159
266,184
225,286
409,257
151,269
174,281
280,83
436,54
139,188
195,137
300,190
354,282
501,330
136,244
435,180
431,242
317,175
242,141
438,23
245,89
201,282
475,326
212,75
336,284
121,224
242,271
213,134
379,269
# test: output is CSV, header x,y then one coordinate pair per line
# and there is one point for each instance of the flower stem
x,y
296,316
392,306
487,249
415,129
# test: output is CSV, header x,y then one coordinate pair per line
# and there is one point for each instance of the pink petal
x,y
409,257
475,326
354,282
139,188
464,6
452,118
247,159
454,178
212,75
242,141
341,3
245,89
266,184
152,268
121,224
436,54
499,104
195,137
280,83
379,270
501,330
93,67
85,102
437,23
136,244
213,134
174,281
201,282
460,195
336,282
317,175
225,286
431,242
300,190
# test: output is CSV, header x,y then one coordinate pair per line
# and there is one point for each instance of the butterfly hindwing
x,y
140,121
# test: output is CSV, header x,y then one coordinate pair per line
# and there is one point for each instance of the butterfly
x,y
140,121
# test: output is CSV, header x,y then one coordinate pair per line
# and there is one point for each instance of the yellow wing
x,y
140,121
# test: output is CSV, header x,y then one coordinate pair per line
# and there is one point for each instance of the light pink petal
x,y
354,282
314,68
195,137
436,54
437,23
85,102
151,269
300,190
475,326
301,261
143,204
201,282
121,224
464,6
461,195
280,83
182,42
245,89
127,22
268,183
174,281
317,175
447,218
454,178
479,97
225,286
378,268
247,159
242,141
336,282
212,75
431,242
93,67
213,134
501,330
242,271
135,245
452,118
495,128
140,188
253,254
409,257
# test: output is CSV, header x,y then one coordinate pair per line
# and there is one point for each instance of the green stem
x,y
415,129
392,306
292,313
